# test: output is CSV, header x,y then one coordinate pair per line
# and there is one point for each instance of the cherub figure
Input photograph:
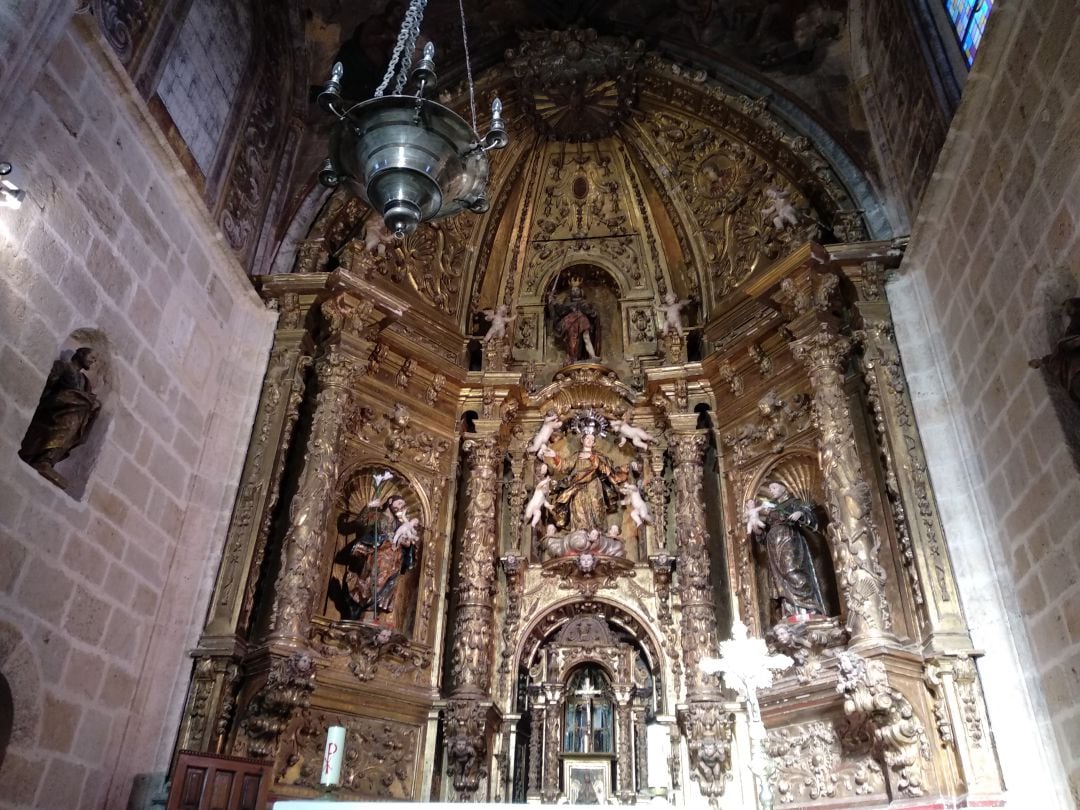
x,y
539,444
752,512
639,437
406,534
500,319
376,237
639,510
538,501
779,209
671,313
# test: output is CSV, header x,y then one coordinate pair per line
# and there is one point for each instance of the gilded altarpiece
x,y
512,476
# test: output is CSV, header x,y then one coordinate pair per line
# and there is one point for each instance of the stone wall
x,y
907,112
993,253
201,78
101,594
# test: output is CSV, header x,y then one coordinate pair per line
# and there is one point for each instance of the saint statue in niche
x,y
64,415
780,522
577,322
384,547
1063,363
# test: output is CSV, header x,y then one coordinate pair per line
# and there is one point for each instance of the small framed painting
x,y
586,782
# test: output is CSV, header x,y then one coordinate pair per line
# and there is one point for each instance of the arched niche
x,y
375,551
21,692
799,473
583,288
67,431
625,626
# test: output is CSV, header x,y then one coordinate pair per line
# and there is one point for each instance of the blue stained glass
x,y
969,19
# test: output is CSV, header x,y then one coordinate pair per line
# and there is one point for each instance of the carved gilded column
x,y
854,538
552,743
624,730
704,722
914,507
694,585
471,664
338,370
536,745
211,695
513,566
808,297
641,752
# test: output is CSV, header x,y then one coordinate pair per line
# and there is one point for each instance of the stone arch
x,y
72,472
20,678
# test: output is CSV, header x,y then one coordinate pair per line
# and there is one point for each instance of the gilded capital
x,y
823,349
688,448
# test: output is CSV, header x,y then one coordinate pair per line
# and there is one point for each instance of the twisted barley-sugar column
x,y
699,631
853,537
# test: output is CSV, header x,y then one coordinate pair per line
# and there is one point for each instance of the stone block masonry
x,y
993,253
100,595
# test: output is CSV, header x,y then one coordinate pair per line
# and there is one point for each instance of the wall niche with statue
x,y
376,564
66,433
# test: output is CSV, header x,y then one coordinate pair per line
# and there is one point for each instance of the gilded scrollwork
x,y
588,573
708,728
897,729
124,23
776,420
812,764
378,759
808,644
727,374
368,648
287,689
392,432
466,743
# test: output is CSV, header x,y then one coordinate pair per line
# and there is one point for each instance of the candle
x,y
333,756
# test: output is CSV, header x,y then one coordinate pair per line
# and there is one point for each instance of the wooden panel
x,y
205,782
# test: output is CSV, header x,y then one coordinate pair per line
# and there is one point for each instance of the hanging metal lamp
x,y
407,156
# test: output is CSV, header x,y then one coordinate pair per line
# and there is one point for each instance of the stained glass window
x,y
969,19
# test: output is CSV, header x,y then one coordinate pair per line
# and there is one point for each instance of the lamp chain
x,y
468,64
403,48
